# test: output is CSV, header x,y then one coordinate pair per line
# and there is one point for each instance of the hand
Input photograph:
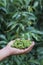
x,y
8,50
16,51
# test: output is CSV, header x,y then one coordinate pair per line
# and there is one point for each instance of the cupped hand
x,y
15,51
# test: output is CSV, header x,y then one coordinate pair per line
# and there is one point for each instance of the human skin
x,y
8,50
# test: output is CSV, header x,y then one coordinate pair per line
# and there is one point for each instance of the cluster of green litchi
x,y
21,43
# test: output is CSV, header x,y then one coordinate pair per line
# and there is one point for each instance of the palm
x,y
19,51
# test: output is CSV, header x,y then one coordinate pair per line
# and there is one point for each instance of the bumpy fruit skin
x,y
21,44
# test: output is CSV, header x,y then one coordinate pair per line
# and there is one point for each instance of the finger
x,y
28,49
23,51
11,42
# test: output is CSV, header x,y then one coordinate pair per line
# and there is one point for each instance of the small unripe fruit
x,y
21,43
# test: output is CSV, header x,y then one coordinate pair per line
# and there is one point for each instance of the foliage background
x,y
22,19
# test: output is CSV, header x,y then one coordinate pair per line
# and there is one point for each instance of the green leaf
x,y
3,42
35,36
2,37
22,27
34,61
1,4
13,26
35,4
